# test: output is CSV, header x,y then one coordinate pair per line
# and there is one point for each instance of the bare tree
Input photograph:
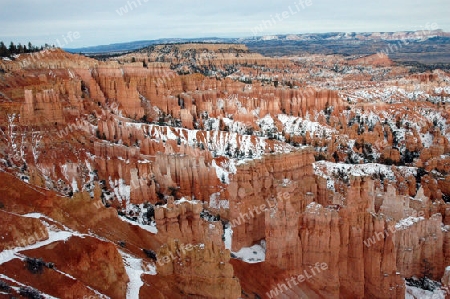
x,y
16,141
36,138
9,137
426,272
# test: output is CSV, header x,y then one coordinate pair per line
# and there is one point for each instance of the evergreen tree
x,y
20,49
3,50
12,48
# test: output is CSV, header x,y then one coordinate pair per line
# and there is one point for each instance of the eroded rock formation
x,y
323,160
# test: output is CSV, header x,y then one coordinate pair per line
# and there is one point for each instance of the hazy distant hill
x,y
427,47
131,46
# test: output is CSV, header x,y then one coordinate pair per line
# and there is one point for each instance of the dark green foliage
x,y
408,157
150,213
30,293
173,190
249,130
4,287
446,198
222,179
336,157
19,49
420,173
388,161
35,266
425,282
150,254
208,217
319,157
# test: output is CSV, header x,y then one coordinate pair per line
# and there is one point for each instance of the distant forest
x,y
13,49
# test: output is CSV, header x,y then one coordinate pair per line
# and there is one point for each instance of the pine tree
x,y
3,50
12,48
20,49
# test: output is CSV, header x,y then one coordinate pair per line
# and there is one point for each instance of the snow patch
x,y
150,228
53,236
252,255
216,203
416,293
74,185
134,268
427,139
331,170
407,222
221,173
228,236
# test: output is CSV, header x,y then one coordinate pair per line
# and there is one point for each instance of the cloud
x,y
98,22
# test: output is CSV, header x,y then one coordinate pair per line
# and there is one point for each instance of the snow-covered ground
x,y
223,171
330,170
7,278
299,126
390,94
135,268
253,254
121,190
216,203
228,236
416,293
427,139
220,142
54,236
150,228
407,222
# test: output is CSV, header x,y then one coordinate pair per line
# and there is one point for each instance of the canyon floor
x,y
210,171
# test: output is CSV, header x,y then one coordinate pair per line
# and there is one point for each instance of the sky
x,y
81,23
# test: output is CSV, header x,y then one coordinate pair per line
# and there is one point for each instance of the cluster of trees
x,y
27,292
4,287
18,49
36,266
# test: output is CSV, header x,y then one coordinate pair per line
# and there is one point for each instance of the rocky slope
x,y
207,171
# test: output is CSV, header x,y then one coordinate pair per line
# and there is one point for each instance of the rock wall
x,y
261,182
181,220
200,270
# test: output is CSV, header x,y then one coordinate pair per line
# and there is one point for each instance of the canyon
x,y
210,171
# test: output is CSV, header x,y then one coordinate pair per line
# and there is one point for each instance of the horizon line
x,y
248,37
